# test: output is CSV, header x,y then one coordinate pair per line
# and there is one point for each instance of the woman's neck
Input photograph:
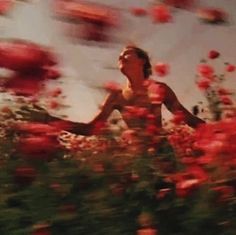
x,y
136,84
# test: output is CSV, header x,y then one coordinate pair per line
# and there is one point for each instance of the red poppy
x,y
161,14
25,85
226,100
147,231
56,92
5,6
180,3
53,104
161,69
205,70
178,118
21,55
38,147
230,68
36,128
213,54
212,15
138,11
204,84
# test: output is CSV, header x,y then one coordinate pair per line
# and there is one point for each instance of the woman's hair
x,y
147,67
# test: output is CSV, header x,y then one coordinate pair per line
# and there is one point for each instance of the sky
x,y
181,43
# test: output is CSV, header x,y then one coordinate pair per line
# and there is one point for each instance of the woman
x,y
140,91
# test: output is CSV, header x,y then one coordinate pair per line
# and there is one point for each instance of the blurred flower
x,y
37,147
224,192
5,6
21,55
205,70
138,11
230,68
180,3
147,231
223,91
41,229
204,84
213,54
212,15
161,69
54,104
226,100
36,128
178,117
55,92
161,14
162,193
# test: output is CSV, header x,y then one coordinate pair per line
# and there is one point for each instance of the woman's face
x,y
129,61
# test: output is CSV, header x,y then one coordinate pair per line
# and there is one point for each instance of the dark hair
x,y
147,67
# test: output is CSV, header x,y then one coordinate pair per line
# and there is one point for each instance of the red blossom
x,y
224,192
133,112
138,11
230,68
52,72
21,55
56,92
223,91
213,54
5,6
180,3
36,128
178,117
186,187
204,84
161,14
205,70
147,231
54,104
226,100
162,193
25,85
161,69
41,230
37,147
212,15
152,129
218,138
189,180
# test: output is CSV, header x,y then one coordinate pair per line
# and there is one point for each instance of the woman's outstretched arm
x,y
174,106
37,113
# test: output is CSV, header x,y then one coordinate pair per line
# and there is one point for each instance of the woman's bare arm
x,y
88,128
39,114
173,105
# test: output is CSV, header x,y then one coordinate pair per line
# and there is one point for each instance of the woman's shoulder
x,y
155,83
